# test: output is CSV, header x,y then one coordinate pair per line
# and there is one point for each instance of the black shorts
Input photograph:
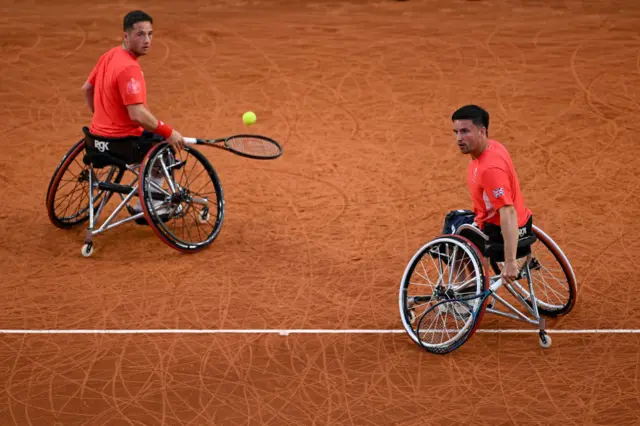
x,y
129,150
494,248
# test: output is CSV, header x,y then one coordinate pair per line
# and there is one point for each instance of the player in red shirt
x,y
116,91
498,206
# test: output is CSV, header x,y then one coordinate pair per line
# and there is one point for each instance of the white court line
x,y
300,331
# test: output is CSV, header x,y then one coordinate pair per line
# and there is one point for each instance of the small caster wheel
x,y
87,249
545,340
204,215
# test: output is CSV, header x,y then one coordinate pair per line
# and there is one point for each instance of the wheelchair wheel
x,y
443,294
181,197
68,192
554,282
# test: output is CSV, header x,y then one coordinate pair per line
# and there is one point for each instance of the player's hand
x,y
510,271
176,140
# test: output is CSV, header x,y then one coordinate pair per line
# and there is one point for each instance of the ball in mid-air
x,y
249,118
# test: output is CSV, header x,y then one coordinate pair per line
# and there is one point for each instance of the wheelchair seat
x,y
103,159
104,151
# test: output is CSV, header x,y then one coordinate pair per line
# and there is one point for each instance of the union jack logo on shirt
x,y
133,86
497,193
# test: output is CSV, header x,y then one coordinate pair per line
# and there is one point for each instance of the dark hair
x,y
477,115
133,18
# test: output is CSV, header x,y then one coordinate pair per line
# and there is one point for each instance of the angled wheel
x,y
554,283
68,192
181,197
443,294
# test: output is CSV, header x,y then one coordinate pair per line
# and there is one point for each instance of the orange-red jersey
x,y
118,81
493,183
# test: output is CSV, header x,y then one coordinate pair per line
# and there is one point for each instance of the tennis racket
x,y
251,146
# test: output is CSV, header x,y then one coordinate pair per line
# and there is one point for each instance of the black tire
x,y
566,296
72,171
172,215
466,305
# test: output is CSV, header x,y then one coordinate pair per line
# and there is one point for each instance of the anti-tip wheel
x,y
87,250
545,340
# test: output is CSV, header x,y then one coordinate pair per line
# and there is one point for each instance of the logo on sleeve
x,y
497,193
133,87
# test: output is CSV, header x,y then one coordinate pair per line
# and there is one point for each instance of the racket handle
x,y
191,140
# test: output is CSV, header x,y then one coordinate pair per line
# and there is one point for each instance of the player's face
x,y
469,137
138,39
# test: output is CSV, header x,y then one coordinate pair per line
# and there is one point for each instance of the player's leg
x,y
144,143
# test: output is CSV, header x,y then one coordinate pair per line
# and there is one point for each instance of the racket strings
x,y
252,146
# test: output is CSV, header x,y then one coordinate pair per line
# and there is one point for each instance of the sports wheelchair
x,y
178,194
447,287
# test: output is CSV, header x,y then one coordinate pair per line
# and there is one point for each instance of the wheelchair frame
x,y
487,297
131,190
175,201
93,217
496,282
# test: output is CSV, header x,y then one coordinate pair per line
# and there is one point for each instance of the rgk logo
x,y
102,146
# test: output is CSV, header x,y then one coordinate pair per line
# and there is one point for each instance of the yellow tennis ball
x,y
249,118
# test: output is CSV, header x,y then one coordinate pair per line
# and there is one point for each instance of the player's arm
x,y
87,91
89,85
497,187
131,90
509,227
141,115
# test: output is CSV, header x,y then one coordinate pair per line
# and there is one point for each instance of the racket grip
x,y
190,140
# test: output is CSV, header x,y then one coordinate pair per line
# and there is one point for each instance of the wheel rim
x,y
429,282
552,277
68,192
188,208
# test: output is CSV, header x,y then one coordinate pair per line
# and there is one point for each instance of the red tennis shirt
x,y
118,82
493,183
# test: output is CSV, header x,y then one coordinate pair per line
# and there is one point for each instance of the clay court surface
x,y
359,94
